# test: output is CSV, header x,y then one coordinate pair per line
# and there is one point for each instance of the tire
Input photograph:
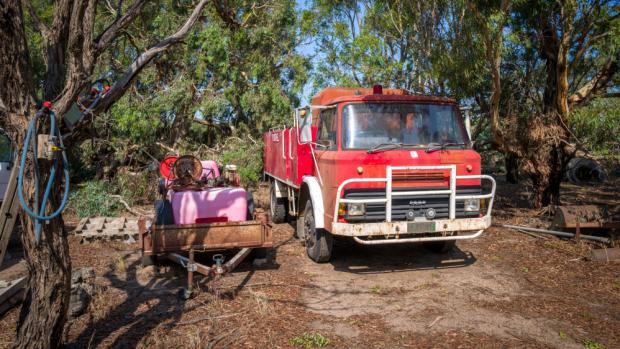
x,y
277,206
250,206
147,261
260,253
319,242
581,171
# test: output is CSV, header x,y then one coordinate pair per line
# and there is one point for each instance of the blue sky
x,y
307,49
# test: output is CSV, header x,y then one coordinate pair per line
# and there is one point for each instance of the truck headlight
x,y
356,209
472,205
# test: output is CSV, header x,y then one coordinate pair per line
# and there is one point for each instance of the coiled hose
x,y
39,217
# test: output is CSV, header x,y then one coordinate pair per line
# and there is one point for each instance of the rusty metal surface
x,y
184,261
583,216
604,254
238,258
204,237
409,227
407,240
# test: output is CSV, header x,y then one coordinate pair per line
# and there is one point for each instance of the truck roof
x,y
332,95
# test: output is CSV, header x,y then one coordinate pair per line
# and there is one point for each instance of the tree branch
x,y
42,27
119,88
111,32
597,83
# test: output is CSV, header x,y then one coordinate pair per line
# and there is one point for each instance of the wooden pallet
x,y
8,212
107,228
11,293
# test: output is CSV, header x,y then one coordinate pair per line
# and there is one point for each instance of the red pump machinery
x,y
382,166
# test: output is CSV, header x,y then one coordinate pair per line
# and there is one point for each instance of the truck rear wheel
x,y
277,206
319,242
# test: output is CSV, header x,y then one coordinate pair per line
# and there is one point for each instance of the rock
x,y
82,291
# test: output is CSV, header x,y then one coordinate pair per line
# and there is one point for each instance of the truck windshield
x,y
366,125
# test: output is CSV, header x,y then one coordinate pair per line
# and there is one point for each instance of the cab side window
x,y
327,129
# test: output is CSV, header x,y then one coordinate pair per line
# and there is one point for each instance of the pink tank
x,y
209,206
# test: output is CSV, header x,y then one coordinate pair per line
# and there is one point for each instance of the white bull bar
x,y
391,231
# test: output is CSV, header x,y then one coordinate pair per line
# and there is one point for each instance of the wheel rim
x,y
272,202
310,231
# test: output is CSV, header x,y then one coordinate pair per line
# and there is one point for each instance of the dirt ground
x,y
504,289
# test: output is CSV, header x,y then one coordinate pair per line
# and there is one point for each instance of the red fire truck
x,y
382,166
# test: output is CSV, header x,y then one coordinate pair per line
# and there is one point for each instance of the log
x,y
604,254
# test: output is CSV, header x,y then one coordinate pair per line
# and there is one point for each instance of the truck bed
x,y
285,158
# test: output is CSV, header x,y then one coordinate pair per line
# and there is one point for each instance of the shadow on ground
x,y
354,258
145,306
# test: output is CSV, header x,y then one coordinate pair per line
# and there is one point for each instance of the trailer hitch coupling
x,y
219,262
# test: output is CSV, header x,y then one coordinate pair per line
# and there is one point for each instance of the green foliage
x,y
590,344
376,289
92,199
419,46
247,155
597,125
238,74
310,340
137,188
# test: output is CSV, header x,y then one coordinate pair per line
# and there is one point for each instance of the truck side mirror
x,y
466,113
304,125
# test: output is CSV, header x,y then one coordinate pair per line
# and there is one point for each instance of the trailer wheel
x,y
277,206
148,260
319,242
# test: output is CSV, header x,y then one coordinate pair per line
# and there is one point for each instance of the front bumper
x,y
417,230
413,231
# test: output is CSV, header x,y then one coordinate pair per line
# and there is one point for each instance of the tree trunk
x,y
74,54
546,182
45,305
43,312
512,168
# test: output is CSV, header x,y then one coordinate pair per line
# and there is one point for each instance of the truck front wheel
x,y
276,206
319,242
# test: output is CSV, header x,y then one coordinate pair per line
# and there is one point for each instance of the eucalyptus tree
x,y
545,58
238,75
72,37
525,63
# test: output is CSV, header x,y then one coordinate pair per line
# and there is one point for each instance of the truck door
x,y
327,145
6,154
286,137
291,154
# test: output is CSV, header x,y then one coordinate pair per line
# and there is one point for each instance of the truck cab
x,y
384,167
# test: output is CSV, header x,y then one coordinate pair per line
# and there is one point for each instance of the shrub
x,y
597,125
247,155
136,188
310,340
92,199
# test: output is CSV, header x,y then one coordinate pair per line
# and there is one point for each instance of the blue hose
x,y
40,216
